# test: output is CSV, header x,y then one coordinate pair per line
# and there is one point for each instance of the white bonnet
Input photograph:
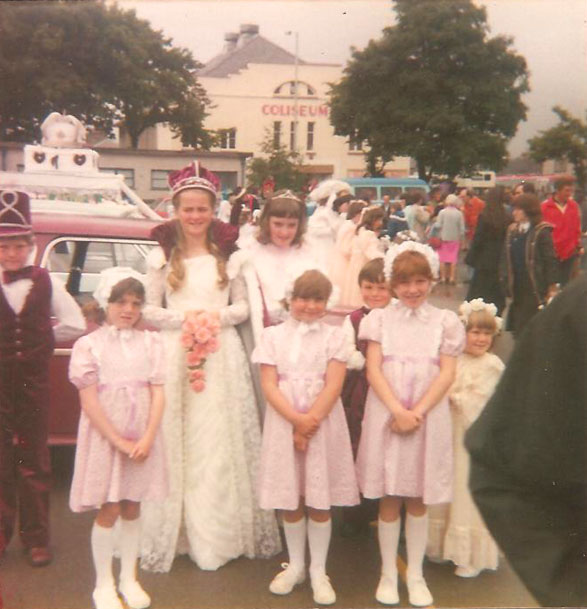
x,y
109,278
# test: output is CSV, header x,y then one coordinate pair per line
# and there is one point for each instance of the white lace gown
x,y
212,438
457,532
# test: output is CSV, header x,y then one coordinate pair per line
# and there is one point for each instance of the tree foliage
x,y
565,141
434,87
277,161
99,63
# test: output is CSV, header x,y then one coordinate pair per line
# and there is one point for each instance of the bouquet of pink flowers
x,y
199,336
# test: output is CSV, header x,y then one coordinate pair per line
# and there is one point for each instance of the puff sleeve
x,y
371,326
453,335
356,360
83,365
154,312
264,352
337,345
156,352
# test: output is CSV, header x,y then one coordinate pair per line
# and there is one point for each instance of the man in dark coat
x,y
529,455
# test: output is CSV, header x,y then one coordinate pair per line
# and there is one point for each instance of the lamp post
x,y
296,99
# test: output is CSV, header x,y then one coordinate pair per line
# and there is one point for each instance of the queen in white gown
x,y
212,438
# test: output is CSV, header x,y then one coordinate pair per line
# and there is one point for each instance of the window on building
x,y
128,174
289,88
355,144
292,135
159,179
310,136
276,134
227,139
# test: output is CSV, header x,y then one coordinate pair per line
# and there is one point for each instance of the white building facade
x,y
259,90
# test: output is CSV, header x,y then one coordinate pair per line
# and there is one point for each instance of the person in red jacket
x,y
472,208
563,213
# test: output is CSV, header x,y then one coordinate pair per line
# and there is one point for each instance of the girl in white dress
x,y
405,450
365,245
459,533
307,460
278,255
120,458
213,437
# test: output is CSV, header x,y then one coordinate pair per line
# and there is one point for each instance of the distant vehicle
x,y
373,189
544,184
479,180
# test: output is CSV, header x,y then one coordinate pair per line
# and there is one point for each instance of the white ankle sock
x,y
130,531
416,538
295,539
319,534
388,534
102,540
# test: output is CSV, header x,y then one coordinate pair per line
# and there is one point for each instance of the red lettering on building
x,y
290,110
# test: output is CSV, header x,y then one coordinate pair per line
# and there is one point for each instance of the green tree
x,y
277,161
565,141
98,62
434,87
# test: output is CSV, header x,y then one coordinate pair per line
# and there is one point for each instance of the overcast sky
x,y
551,34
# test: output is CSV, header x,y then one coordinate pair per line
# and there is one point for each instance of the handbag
x,y
435,242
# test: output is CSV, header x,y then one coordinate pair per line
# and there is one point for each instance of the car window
x,y
416,189
368,193
78,262
392,191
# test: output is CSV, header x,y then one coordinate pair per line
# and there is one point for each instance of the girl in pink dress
x,y
405,451
306,455
120,460
341,254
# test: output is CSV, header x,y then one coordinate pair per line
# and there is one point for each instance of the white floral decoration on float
x,y
477,305
406,235
410,246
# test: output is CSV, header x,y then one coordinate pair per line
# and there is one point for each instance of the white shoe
x,y
106,598
418,592
387,590
284,582
322,589
134,595
467,572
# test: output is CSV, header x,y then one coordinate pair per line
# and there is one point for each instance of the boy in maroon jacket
x,y
29,298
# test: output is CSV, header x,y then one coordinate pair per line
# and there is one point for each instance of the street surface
x,y
353,563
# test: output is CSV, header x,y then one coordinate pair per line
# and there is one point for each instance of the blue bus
x,y
373,189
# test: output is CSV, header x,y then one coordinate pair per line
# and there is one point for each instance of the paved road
x,y
242,584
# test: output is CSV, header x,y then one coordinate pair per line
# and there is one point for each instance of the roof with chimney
x,y
246,47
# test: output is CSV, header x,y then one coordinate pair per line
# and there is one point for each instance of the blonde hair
x,y
176,275
482,320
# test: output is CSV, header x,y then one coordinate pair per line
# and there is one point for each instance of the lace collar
x,y
422,312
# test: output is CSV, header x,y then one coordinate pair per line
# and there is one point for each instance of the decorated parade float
x,y
62,175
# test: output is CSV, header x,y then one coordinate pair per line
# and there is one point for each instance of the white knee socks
x,y
416,537
295,539
388,534
319,540
102,540
130,531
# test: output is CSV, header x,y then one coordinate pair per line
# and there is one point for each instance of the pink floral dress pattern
x,y
418,464
123,363
323,474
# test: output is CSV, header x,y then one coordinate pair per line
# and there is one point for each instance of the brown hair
x,y
530,205
373,272
176,275
281,206
370,216
355,208
129,285
563,181
312,284
483,320
409,264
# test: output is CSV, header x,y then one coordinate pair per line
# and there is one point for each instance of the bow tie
x,y
25,272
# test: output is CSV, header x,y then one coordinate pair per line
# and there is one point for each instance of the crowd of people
x,y
247,404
